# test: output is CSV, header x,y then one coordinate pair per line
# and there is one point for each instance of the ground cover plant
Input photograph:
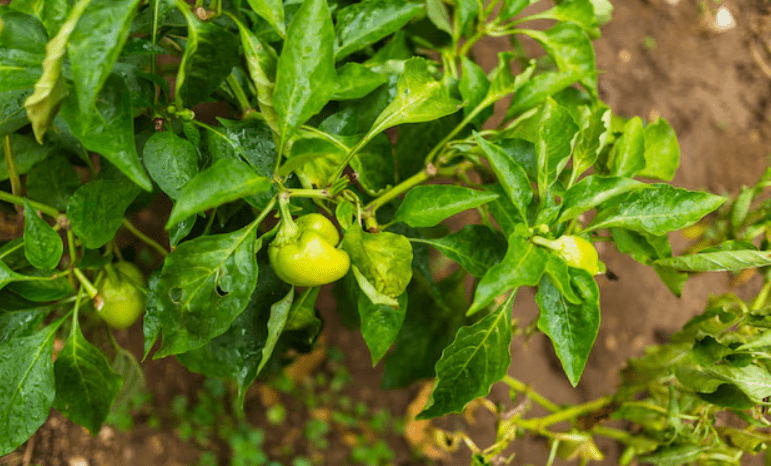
x,y
341,125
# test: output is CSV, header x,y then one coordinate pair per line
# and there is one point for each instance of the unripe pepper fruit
x,y
306,254
576,251
121,292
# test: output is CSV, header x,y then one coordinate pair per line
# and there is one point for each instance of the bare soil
x,y
659,58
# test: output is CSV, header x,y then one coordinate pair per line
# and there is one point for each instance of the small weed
x,y
649,43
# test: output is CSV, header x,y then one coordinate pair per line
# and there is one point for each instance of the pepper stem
x,y
288,231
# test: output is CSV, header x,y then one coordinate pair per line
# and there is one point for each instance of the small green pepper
x,y
305,254
121,292
576,251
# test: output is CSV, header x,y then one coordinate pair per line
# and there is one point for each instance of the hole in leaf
x,y
222,293
175,294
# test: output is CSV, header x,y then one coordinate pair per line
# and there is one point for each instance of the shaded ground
x,y
661,57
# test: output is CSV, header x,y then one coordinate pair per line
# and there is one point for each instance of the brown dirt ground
x,y
660,58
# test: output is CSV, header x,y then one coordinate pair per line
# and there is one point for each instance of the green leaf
x,y
204,285
554,139
473,87
416,140
43,104
523,265
580,12
22,50
355,80
42,286
427,205
271,11
628,155
19,324
128,368
210,55
238,352
52,13
593,191
657,210
279,313
28,389
303,312
364,23
305,77
12,113
85,383
110,130
384,259
512,8
573,53
261,61
171,161
476,248
572,328
433,318
52,181
593,133
477,358
674,455
26,153
96,210
731,261
380,324
510,174
374,164
94,46
225,181
419,98
662,152
437,13
43,246
505,213
642,247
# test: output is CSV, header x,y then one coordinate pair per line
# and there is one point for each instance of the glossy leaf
x,y
593,191
476,248
86,385
477,358
556,131
505,213
303,312
210,55
523,265
225,181
510,174
580,12
110,130
43,104
364,23
380,324
432,320
52,13
732,261
354,81
305,76
13,115
374,164
19,324
26,153
427,205
204,285
271,11
22,50
473,87
96,210
512,8
43,246
419,98
384,258
171,161
572,51
437,13
662,151
593,133
261,61
28,389
628,155
52,181
572,328
95,45
657,210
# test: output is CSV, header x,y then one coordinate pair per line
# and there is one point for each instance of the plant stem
x,y
313,193
394,192
18,200
528,391
568,414
13,173
762,297
243,101
144,238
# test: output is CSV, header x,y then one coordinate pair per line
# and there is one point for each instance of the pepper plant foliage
x,y
349,109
